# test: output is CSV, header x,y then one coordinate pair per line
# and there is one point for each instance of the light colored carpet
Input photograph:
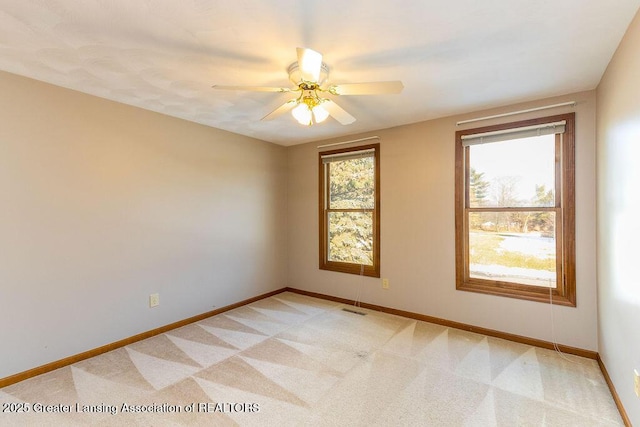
x,y
292,360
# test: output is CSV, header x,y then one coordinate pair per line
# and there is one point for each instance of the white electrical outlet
x,y
637,381
385,283
154,300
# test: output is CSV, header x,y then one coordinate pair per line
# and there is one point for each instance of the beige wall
x,y
103,204
618,233
417,221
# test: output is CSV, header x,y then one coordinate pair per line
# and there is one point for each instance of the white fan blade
x,y
338,113
310,64
280,110
253,88
372,88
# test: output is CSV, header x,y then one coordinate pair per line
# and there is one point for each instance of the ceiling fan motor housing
x,y
296,77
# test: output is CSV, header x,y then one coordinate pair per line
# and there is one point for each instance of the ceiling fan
x,y
309,76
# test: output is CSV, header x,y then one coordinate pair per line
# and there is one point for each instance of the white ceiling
x,y
453,56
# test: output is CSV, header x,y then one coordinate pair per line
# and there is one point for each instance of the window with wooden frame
x,y
515,210
349,187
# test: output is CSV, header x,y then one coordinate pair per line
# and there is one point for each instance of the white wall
x,y
417,231
103,204
618,150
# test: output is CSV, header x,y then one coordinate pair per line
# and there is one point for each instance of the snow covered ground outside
x,y
527,276
527,244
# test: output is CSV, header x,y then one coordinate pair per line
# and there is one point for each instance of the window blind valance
x,y
507,134
350,155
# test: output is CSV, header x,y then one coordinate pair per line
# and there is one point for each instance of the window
x,y
350,210
515,233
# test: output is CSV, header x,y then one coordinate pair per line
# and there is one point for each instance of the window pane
x,y
351,237
352,184
519,172
516,247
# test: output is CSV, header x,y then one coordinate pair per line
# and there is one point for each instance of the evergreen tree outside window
x,y
350,210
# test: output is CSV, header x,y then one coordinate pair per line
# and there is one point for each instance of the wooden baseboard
x,y
457,325
614,393
21,376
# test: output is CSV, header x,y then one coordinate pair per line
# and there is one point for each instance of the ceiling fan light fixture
x,y
319,114
302,114
309,109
